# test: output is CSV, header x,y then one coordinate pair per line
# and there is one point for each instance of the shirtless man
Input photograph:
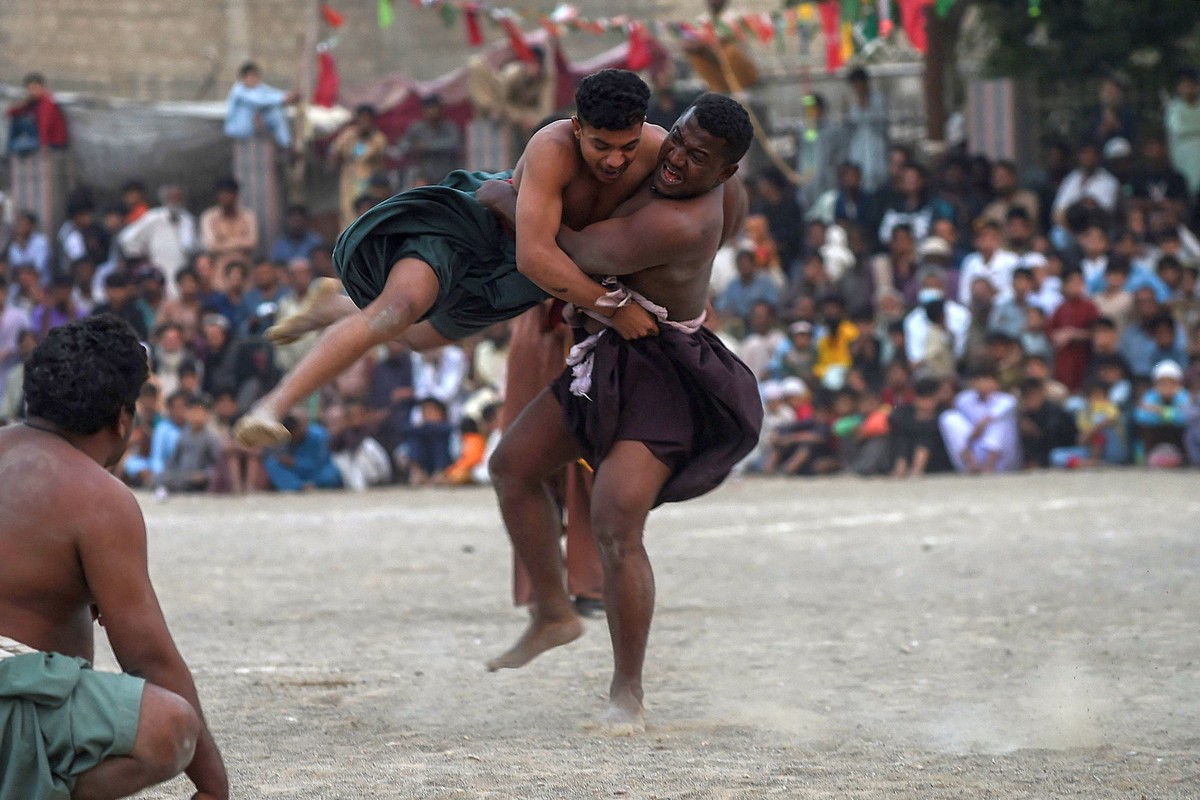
x,y
660,418
73,549
431,265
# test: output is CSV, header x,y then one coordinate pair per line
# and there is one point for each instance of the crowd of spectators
x,y
960,315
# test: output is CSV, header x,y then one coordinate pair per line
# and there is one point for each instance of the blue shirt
x,y
311,454
163,442
246,103
738,298
1174,413
1141,353
285,249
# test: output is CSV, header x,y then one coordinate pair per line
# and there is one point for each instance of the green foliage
x,y
1073,40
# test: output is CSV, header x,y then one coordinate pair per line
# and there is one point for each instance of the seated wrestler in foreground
x,y
432,265
73,545
660,418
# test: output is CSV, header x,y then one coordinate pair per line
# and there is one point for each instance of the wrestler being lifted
x,y
661,419
432,265
73,548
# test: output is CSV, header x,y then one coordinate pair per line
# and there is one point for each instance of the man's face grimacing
x,y
607,153
691,161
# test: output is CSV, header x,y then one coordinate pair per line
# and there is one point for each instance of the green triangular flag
x,y
449,15
942,7
386,15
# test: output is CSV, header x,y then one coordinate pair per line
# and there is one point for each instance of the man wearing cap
x,y
433,143
1162,413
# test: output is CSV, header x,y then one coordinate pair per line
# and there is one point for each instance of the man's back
x,y
44,597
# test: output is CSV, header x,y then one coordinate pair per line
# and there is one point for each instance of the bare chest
x,y
585,202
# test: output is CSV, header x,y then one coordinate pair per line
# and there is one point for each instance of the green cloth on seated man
x,y
59,718
470,251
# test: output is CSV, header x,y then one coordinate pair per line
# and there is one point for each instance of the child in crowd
x,y
806,447
478,437
360,459
193,464
1100,437
795,356
916,440
1161,416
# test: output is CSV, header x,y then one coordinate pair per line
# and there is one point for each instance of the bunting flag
x,y
639,57
912,19
943,7
474,30
831,17
326,90
387,15
332,18
516,39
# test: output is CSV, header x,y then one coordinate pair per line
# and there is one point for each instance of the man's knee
x,y
167,733
617,523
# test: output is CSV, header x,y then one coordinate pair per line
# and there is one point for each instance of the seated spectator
x,y
1070,331
57,308
1010,314
762,340
151,290
833,348
478,438
135,464
776,203
989,261
980,430
241,467
897,389
1033,338
13,407
71,241
426,449
776,415
1008,196
166,435
123,303
1038,367
1045,426
359,458
897,267
867,450
806,447
304,463
751,286
193,465
218,355
757,239
935,331
1138,343
263,297
847,202
167,356
297,239
1100,432
915,207
252,105
184,309
1157,182
228,302
1161,416
392,394
795,356
914,436
1006,355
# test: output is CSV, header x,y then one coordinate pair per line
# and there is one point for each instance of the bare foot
x,y
537,639
320,308
259,429
624,717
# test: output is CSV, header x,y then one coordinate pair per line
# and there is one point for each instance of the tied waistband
x,y
580,358
11,647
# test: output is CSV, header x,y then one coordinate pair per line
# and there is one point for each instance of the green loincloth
x,y
58,719
473,256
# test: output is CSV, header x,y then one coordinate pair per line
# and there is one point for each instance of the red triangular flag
x,y
516,40
831,13
326,90
471,21
332,18
638,57
912,18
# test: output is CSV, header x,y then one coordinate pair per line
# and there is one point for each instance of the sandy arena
x,y
1031,636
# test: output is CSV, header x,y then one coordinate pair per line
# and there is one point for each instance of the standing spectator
x,y
71,241
989,261
1182,120
133,195
751,286
980,430
433,143
13,321
1070,331
57,309
193,465
358,152
866,130
762,340
304,463
1114,118
1009,196
297,239
227,230
37,121
253,105
916,440
30,247
1088,183
776,200
165,236
817,153
124,303
1158,182
1044,425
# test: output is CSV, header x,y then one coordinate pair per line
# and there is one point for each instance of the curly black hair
x,y
726,119
612,100
83,373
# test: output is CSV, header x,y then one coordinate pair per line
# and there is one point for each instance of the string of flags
x,y
848,27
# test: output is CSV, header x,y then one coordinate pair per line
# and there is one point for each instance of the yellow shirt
x,y
833,352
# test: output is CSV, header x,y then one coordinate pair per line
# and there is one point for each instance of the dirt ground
x,y
1031,636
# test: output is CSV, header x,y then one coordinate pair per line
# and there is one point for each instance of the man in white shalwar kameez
x,y
980,429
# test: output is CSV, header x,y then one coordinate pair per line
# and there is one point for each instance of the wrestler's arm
x,y
113,555
656,234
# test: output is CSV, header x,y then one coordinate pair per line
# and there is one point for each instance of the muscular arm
x,y
656,234
548,168
113,555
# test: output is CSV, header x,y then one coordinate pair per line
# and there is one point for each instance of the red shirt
x,y
1071,360
52,125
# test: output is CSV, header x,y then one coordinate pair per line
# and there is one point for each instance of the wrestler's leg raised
x,y
627,483
163,747
534,448
410,291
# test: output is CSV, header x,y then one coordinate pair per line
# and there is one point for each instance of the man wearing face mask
x,y
165,236
918,323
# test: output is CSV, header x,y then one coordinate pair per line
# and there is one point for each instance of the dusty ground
x,y
1023,637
